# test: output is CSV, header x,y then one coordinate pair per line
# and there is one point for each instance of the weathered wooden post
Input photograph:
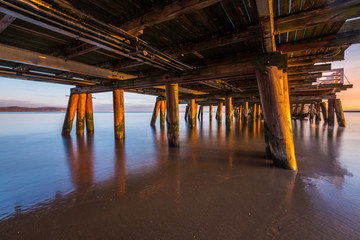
x,y
331,112
155,112
219,113
255,111
274,95
192,114
240,112
312,111
228,112
162,113
302,110
186,112
317,116
210,112
245,111
259,111
89,114
80,115
200,114
119,119
172,117
70,114
324,111
339,113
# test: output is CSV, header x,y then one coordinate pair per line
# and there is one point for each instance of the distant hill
x,y
27,109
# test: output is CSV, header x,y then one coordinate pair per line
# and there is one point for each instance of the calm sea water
x,y
218,185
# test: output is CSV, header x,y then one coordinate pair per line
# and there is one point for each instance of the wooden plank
x,y
37,59
5,21
266,17
325,15
166,13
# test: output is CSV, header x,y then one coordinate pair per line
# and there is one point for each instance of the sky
x,y
24,93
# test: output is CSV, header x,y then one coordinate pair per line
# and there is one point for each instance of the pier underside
x,y
267,60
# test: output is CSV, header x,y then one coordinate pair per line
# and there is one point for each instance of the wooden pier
x,y
266,60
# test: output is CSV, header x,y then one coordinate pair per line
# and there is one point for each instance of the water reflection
x,y
120,165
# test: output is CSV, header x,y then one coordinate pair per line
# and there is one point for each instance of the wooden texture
x,y
172,119
312,112
266,17
324,111
89,116
228,112
331,112
119,118
219,113
80,115
5,21
210,112
162,113
245,111
155,113
274,95
339,113
317,113
70,114
192,114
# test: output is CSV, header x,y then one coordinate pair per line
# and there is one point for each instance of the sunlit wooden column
x,y
228,112
210,112
119,118
219,113
155,113
192,114
255,111
340,113
245,111
80,115
317,114
259,111
172,117
89,116
240,112
70,114
331,112
274,95
162,113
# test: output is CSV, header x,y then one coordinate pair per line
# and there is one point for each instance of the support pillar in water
x,y
228,112
255,111
200,114
331,112
162,113
339,113
317,116
324,111
172,117
70,114
219,113
80,115
274,95
192,114
240,112
89,116
259,111
186,112
245,111
210,112
119,120
312,111
155,113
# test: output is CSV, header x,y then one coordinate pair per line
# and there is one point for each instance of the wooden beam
x,y
325,15
37,59
166,13
266,17
81,49
5,21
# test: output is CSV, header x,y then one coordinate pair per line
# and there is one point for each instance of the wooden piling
x,y
340,113
89,116
210,112
162,113
119,120
70,114
228,112
312,112
192,114
219,114
245,111
80,115
274,95
200,114
186,112
155,112
172,118
317,114
324,111
255,111
259,111
240,112
331,112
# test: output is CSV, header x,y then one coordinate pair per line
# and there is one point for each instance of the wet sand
x,y
218,185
